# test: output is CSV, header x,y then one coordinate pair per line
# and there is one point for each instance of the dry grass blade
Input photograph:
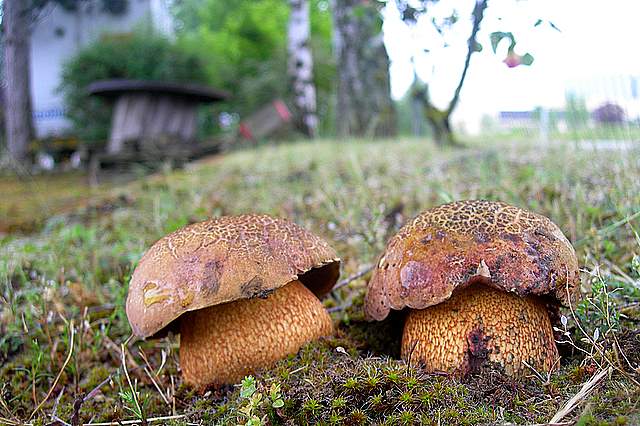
x,y
134,394
64,365
96,389
9,422
135,422
154,378
4,406
582,394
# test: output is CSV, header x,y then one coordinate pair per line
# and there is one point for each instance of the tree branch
x,y
478,15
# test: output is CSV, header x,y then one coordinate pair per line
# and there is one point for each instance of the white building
x,y
59,34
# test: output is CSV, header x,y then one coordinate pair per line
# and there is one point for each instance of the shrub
x,y
141,54
609,113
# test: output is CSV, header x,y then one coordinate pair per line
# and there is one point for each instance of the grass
x,y
27,202
66,282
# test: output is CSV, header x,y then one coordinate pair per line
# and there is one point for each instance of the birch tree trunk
x,y
364,106
301,67
16,21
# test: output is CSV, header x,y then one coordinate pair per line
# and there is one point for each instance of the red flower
x,y
513,60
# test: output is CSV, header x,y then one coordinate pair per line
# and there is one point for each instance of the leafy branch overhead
x,y
513,59
413,13
439,119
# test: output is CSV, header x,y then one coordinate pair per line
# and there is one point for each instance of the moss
x,y
355,194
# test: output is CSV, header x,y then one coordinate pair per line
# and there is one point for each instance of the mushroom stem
x,y
477,325
223,343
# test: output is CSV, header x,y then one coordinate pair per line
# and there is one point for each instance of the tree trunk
x,y
440,123
364,106
16,21
440,119
301,67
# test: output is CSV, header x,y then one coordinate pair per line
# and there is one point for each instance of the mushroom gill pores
x,y
243,291
481,281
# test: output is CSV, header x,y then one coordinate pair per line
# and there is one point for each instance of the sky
x,y
594,54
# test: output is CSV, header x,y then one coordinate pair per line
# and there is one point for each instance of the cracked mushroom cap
x,y
221,260
455,244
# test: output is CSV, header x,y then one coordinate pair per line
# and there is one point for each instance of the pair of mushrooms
x,y
480,281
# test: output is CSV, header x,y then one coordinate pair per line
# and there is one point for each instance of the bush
x,y
609,113
138,55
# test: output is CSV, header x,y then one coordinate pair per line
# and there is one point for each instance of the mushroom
x,y
243,291
482,281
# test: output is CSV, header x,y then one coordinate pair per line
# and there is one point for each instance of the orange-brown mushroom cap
x,y
446,247
221,260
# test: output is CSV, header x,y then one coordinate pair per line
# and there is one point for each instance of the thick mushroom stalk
x,y
223,343
480,324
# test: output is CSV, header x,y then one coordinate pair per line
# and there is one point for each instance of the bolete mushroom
x,y
243,291
482,281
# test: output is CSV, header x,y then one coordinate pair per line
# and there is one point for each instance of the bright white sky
x,y
595,53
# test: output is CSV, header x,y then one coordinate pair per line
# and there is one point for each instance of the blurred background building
x,y
60,33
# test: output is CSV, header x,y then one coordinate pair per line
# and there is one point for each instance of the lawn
x,y
28,201
65,352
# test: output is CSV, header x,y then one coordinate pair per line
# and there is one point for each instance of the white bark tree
x,y
301,67
17,21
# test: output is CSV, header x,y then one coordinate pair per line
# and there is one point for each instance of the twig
x,y
353,277
478,16
64,365
96,389
4,404
112,345
536,373
298,369
337,308
9,422
55,405
413,348
582,394
59,420
134,422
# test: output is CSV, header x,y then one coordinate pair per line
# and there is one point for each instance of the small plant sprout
x,y
276,396
129,397
254,404
597,322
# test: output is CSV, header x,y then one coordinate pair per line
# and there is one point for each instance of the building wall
x,y
59,34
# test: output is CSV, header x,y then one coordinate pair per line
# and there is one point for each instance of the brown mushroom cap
x,y
452,245
222,260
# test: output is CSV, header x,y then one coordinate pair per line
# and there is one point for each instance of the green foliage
x,y
130,404
253,403
142,54
245,46
497,36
